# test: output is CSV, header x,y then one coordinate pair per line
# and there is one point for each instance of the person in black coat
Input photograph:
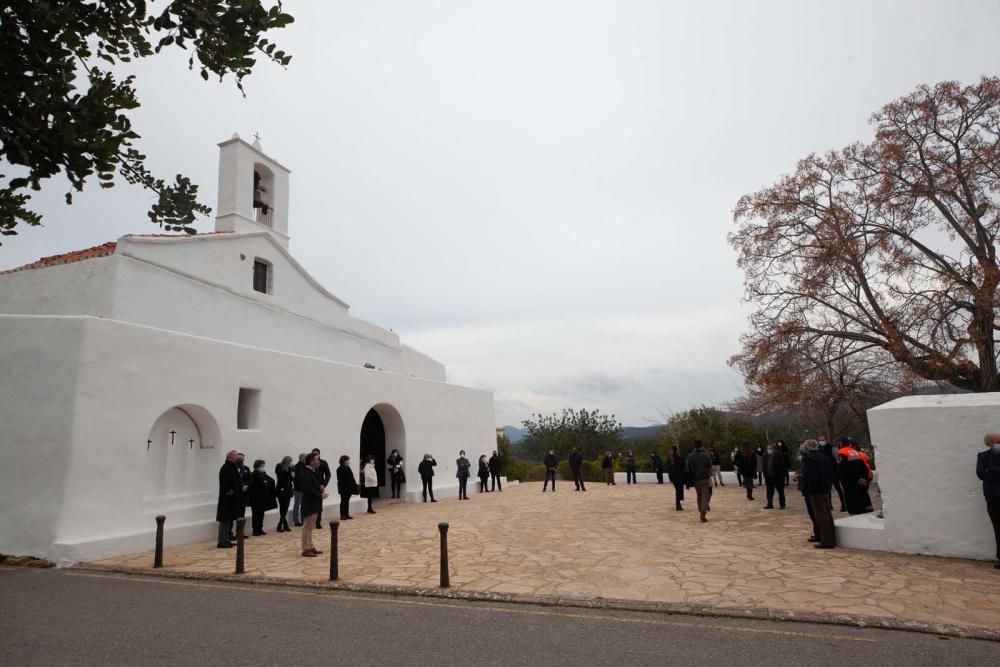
x,y
854,477
462,472
323,473
783,450
484,474
775,470
675,473
245,473
988,470
262,496
426,472
576,465
495,472
284,487
748,468
296,472
657,466
551,463
312,503
396,474
608,466
816,476
230,506
829,451
347,486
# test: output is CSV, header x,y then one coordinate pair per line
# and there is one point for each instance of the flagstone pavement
x,y
623,542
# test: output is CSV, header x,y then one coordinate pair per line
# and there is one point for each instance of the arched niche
x,y
381,431
182,454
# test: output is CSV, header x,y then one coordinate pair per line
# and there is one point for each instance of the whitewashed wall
x,y
925,452
89,391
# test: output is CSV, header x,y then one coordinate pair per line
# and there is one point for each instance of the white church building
x,y
130,369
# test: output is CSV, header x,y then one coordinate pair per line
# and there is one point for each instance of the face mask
x,y
996,447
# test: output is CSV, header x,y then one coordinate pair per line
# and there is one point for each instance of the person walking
x,y
369,482
657,466
676,472
748,468
283,490
699,469
230,506
576,466
629,467
262,496
737,457
296,492
426,472
774,476
550,462
608,466
324,475
347,486
496,470
716,466
816,476
484,474
312,503
462,466
396,475
988,470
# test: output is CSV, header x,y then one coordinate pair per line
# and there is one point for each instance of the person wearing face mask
x,y
230,506
988,470
608,466
484,474
426,472
396,474
576,465
369,482
312,503
748,468
347,486
816,477
262,497
550,462
827,449
283,489
462,466
774,476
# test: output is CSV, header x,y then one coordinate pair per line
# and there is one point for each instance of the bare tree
x,y
887,247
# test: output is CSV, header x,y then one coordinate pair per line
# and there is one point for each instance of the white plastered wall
x,y
129,375
925,453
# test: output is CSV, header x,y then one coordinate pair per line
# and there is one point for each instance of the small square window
x,y
248,409
263,275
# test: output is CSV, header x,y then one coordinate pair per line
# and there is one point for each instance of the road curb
x,y
580,602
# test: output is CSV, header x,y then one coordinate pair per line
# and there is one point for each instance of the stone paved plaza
x,y
624,543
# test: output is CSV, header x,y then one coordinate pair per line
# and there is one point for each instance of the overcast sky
x,y
538,193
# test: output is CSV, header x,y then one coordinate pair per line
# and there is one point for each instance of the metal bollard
x,y
158,554
443,527
240,525
334,562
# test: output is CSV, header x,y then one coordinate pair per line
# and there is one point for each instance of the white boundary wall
x,y
925,452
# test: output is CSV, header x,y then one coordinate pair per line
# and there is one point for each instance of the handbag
x,y
401,476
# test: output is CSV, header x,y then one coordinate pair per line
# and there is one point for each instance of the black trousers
x,y
345,505
678,491
396,486
549,474
630,475
659,477
812,515
840,493
463,487
484,482
257,521
495,481
993,509
283,501
772,486
748,483
577,479
428,487
319,518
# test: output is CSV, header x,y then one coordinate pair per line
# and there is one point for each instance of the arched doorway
x,y
180,453
381,432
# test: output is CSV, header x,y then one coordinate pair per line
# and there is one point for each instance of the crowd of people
x,y
823,468
303,486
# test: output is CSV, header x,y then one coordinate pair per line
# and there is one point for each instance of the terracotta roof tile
x,y
102,250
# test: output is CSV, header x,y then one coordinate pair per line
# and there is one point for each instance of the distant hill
x,y
515,434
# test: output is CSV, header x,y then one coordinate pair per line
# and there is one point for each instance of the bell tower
x,y
253,191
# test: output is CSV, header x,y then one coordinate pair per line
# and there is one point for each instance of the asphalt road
x,y
63,617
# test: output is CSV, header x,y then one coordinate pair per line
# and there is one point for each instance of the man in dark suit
x,y
324,475
495,472
816,477
775,470
988,470
231,503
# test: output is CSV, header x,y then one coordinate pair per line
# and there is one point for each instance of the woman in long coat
x,y
284,486
369,482
262,497
346,486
